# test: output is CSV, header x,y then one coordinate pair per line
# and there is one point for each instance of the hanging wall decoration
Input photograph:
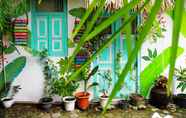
x,y
83,55
21,31
81,58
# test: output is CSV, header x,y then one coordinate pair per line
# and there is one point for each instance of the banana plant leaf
x,y
13,69
77,12
154,69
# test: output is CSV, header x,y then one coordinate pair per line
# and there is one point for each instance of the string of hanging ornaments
x,y
159,26
111,5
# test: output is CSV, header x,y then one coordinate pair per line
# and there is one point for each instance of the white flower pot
x,y
103,101
8,102
69,103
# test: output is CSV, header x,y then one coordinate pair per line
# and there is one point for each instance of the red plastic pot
x,y
83,100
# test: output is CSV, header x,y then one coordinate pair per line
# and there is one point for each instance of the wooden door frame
x,y
33,24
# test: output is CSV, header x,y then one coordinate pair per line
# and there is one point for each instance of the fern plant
x,y
181,77
107,81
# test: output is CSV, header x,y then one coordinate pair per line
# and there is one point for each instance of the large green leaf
x,y
154,69
13,69
77,12
183,25
128,32
178,13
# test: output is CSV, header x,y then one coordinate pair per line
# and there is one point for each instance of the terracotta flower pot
x,y
83,100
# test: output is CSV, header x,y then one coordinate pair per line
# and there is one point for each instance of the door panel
x,y
58,42
41,39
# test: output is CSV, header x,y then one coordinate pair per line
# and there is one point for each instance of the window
x,y
50,6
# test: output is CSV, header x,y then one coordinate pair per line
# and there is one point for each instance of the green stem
x,y
2,57
85,86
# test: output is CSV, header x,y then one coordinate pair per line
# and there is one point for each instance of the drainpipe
x,y
138,60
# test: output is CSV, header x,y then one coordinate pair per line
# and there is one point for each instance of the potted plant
x,y
106,76
50,73
158,93
8,101
180,99
63,87
83,97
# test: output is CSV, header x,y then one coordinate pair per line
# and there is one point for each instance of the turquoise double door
x,y
107,61
49,28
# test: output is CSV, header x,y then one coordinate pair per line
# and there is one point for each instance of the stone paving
x,y
32,111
